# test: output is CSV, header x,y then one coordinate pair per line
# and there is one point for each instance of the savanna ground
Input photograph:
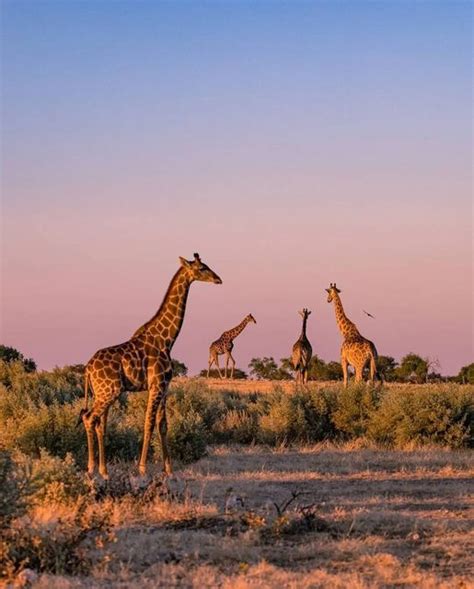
x,y
370,489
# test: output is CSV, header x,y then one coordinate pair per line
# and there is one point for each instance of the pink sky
x,y
290,150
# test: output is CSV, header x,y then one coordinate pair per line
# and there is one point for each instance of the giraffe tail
x,y
373,365
86,394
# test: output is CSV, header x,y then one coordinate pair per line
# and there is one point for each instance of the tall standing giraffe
x,y
302,351
356,350
225,345
143,362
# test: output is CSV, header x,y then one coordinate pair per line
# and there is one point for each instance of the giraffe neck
x,y
166,324
233,333
303,329
345,325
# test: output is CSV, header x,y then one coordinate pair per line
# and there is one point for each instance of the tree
x,y
333,371
267,368
466,374
9,354
238,374
179,369
387,366
413,368
317,369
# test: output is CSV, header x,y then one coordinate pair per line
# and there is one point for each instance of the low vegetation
x,y
39,411
270,476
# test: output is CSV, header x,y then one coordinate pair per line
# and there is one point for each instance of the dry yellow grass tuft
x,y
316,516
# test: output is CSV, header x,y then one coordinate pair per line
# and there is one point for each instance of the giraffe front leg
x,y
344,370
150,420
163,429
233,365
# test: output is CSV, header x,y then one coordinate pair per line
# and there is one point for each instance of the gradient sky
x,y
290,144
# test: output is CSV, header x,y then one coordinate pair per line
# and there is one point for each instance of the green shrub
x,y
187,437
239,426
194,397
65,547
354,407
300,416
54,479
442,415
61,385
14,489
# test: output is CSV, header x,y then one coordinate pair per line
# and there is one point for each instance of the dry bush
x,y
64,546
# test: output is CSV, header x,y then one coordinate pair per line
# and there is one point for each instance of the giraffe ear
x,y
184,262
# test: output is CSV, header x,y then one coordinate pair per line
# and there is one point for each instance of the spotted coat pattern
x,y
141,363
356,350
225,345
302,351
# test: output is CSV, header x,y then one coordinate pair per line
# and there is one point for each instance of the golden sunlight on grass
x,y
316,516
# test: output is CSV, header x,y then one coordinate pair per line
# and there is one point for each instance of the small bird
x,y
368,314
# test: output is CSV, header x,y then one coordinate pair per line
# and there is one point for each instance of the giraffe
x,y
356,350
225,345
302,351
142,362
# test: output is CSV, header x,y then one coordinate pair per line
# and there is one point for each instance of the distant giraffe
x,y
225,345
302,351
143,362
356,350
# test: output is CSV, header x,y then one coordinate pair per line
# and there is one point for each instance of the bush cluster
x,y
39,411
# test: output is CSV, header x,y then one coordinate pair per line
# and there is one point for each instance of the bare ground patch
x,y
360,518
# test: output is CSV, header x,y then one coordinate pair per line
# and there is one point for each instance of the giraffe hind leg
x,y
211,362
89,426
226,364
100,432
218,367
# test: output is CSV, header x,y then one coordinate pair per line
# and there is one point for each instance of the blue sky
x,y
292,144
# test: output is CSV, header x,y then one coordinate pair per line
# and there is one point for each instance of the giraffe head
x,y
332,290
250,317
304,313
197,270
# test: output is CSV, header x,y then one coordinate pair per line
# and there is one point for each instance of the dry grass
x,y
361,518
268,386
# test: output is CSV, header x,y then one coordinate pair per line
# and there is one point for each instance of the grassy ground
x,y
359,517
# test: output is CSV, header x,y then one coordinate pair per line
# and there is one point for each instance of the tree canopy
x,y
9,354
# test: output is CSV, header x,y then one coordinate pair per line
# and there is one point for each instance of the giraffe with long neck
x,y
225,345
356,350
141,363
302,351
